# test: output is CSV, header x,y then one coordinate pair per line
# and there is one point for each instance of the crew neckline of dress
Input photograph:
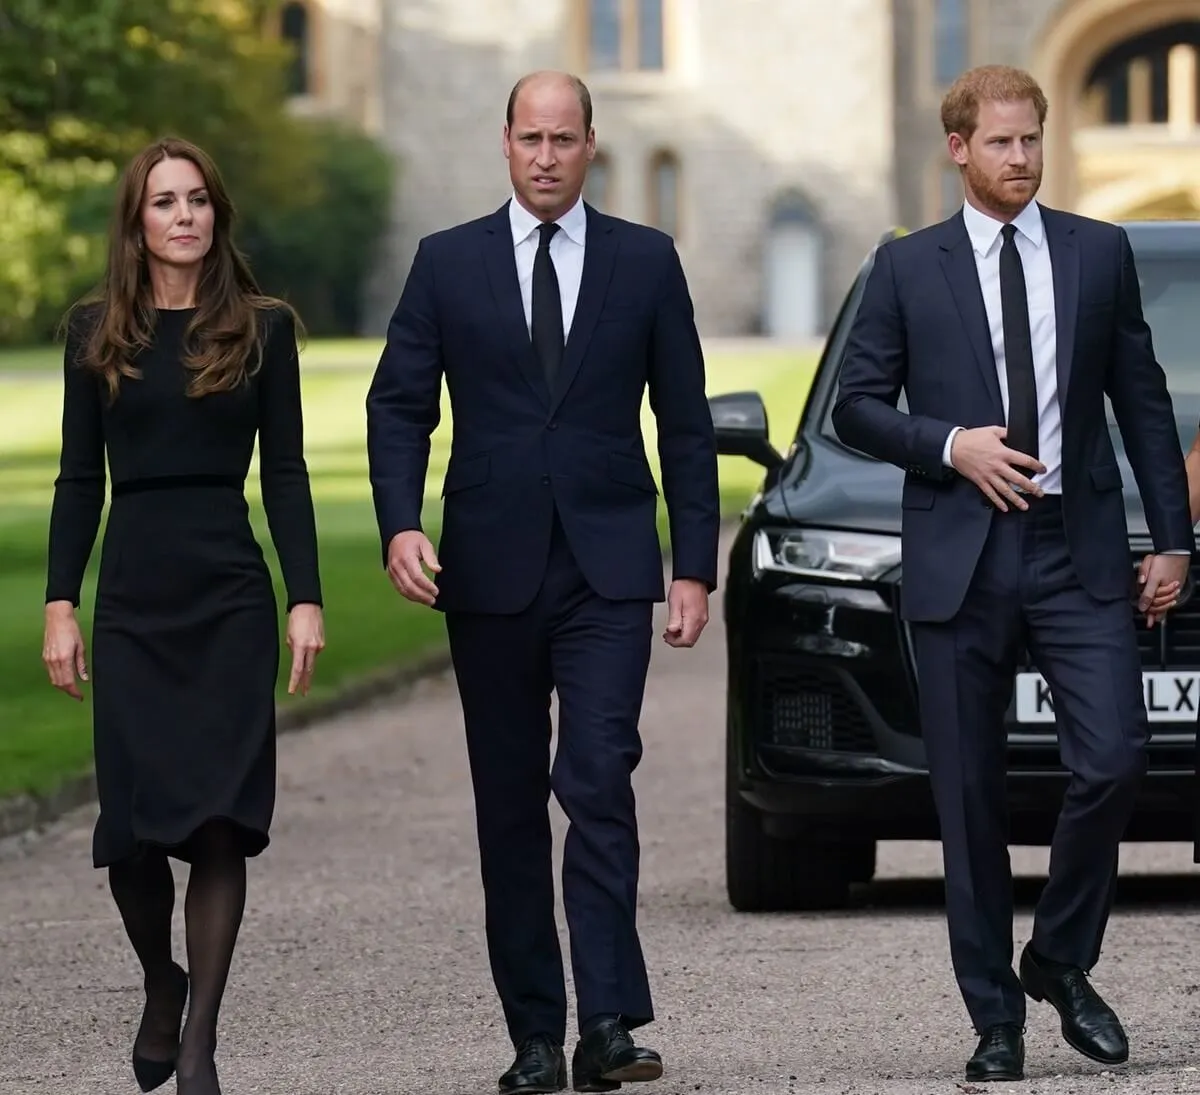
x,y
170,311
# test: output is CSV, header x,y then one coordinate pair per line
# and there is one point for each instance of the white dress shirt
x,y
566,251
1030,238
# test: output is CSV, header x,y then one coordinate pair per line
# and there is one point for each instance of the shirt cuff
x,y
950,442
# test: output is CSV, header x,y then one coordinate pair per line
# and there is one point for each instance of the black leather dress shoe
x,y
1000,1055
606,1057
1089,1025
540,1068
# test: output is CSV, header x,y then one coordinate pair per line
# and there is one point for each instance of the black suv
x,y
824,754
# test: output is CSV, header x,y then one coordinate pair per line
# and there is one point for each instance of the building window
x,y
597,189
295,31
951,46
664,193
651,54
625,35
1131,84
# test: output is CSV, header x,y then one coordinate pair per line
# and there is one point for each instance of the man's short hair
x,y
988,84
580,88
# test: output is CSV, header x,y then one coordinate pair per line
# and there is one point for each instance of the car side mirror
x,y
740,424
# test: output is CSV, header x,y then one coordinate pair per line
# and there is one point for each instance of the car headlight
x,y
826,553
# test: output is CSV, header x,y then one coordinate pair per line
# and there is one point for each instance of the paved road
x,y
362,970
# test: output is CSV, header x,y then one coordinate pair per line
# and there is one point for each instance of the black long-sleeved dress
x,y
185,639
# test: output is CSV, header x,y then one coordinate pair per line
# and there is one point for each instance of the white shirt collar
x,y
572,224
984,230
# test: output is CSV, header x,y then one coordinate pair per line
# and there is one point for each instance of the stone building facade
x,y
774,139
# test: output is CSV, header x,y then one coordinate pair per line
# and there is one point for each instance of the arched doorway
x,y
1124,88
792,270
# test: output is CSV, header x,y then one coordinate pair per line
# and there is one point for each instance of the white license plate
x,y
1170,697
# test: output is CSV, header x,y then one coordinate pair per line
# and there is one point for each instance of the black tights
x,y
144,890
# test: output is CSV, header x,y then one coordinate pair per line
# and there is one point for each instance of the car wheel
x,y
765,873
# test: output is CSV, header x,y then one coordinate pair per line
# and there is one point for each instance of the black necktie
x,y
547,319
1018,349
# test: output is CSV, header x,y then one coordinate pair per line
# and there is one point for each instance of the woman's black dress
x,y
185,643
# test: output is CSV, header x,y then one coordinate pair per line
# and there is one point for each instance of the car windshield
x,y
1171,303
1170,285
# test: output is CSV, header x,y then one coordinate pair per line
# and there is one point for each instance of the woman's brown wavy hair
x,y
224,337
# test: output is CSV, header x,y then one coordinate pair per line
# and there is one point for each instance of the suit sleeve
x,y
404,404
79,488
687,446
1137,388
873,374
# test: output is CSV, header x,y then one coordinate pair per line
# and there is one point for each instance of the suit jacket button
x,y
546,479
552,426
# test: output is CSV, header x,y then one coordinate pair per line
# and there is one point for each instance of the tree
x,y
320,252
84,83
96,78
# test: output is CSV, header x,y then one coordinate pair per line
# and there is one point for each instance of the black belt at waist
x,y
176,482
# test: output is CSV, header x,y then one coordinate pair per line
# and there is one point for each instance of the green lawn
x,y
44,736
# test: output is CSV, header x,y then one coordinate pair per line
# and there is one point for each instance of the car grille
x,y
1174,643
805,708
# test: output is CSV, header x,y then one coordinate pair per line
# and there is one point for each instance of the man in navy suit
x,y
1006,326
550,321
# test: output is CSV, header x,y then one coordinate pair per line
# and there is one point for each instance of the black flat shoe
x,y
151,1074
606,1057
1089,1025
540,1068
1000,1055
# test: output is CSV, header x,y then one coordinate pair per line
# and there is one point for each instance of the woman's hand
x,y
1165,599
62,648
306,637
1166,594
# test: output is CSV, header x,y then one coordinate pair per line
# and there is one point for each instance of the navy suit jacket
x,y
922,328
519,450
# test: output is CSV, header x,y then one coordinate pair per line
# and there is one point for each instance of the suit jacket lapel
x,y
599,255
501,265
1064,261
958,264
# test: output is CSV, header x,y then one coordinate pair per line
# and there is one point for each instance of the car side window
x,y
826,381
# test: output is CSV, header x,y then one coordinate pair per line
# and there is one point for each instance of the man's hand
x,y
408,553
687,605
1160,578
981,456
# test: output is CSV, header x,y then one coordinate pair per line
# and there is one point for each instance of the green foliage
x,y
85,83
46,254
317,248
100,77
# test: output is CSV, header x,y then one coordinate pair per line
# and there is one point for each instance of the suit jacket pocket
x,y
622,313
918,496
464,472
631,471
1106,477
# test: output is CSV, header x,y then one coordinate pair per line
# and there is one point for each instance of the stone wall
x,y
817,119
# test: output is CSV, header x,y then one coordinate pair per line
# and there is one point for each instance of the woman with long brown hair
x,y
172,368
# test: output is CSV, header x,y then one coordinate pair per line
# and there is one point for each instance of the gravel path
x,y
362,969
